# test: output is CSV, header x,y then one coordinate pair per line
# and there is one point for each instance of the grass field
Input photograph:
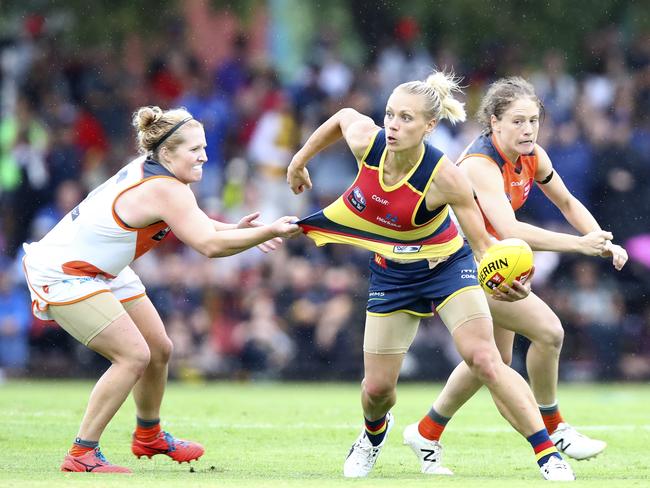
x,y
298,435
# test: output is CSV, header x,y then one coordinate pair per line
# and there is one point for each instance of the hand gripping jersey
x,y
92,241
518,177
390,220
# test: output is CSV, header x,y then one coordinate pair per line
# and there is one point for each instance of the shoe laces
x,y
100,456
569,429
171,441
556,463
370,452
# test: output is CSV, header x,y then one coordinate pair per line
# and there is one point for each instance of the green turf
x,y
298,435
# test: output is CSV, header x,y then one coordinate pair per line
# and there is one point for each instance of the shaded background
x,y
261,75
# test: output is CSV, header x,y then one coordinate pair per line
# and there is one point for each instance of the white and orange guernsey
x,y
91,245
392,221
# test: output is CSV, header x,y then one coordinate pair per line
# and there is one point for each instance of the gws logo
x,y
356,199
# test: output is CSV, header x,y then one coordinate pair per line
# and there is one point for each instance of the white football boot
x,y
428,452
557,469
572,443
363,455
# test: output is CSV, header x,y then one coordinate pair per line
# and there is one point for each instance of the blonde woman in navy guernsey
x,y
398,207
79,276
502,164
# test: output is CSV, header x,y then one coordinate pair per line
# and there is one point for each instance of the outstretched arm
x,y
487,182
357,130
176,205
574,211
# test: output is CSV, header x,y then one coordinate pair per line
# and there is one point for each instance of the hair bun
x,y
146,117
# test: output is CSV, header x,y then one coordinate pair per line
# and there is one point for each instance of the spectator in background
x,y
272,144
14,324
215,113
23,173
68,195
597,308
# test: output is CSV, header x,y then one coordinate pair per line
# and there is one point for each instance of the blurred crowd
x,y
298,313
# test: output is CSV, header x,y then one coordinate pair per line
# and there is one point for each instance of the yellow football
x,y
504,262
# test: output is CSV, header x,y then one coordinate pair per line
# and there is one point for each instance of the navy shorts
x,y
416,289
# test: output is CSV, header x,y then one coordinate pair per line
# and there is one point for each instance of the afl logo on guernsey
x,y
356,198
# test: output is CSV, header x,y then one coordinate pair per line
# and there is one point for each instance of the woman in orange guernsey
x,y
398,207
502,164
79,276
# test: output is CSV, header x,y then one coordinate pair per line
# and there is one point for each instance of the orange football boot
x,y
177,449
91,462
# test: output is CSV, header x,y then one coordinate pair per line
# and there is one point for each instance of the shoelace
x,y
99,455
372,453
171,442
557,463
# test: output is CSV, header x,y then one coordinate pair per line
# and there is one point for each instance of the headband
x,y
171,131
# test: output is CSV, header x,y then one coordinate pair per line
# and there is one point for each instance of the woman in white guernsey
x,y
79,276
398,207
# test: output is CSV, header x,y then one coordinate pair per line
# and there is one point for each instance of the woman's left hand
x,y
251,221
518,290
617,253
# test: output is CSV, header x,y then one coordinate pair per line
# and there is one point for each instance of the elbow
x,y
508,231
213,249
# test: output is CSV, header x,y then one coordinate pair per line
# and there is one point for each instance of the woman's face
x,y
516,131
187,159
405,122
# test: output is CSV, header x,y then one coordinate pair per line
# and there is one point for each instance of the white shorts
x,y
126,286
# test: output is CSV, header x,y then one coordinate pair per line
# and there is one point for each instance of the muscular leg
x,y
532,318
150,388
123,345
511,394
381,368
462,384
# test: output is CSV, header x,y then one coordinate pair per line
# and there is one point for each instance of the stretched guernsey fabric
x,y
390,220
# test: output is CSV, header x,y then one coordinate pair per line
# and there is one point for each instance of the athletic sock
x,y
147,430
551,416
81,447
432,425
376,430
543,447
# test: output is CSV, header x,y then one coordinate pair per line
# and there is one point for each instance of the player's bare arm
x,y
487,183
175,204
450,186
357,130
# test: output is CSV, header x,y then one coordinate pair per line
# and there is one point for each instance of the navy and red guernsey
x,y
390,220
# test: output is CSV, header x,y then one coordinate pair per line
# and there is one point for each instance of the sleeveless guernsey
x,y
91,240
391,220
518,177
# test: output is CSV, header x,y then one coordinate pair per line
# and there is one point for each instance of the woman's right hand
x,y
594,243
286,227
298,177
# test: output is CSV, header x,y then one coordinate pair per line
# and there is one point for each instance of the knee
x,y
378,390
506,357
138,360
551,336
161,352
483,361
